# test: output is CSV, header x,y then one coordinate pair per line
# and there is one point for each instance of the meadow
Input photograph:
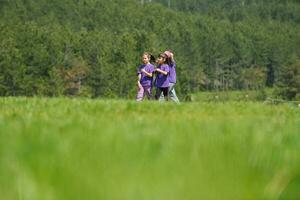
x,y
61,149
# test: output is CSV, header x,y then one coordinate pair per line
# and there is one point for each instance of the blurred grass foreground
x,y
60,149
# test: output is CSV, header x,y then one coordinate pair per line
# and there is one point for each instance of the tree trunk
x,y
169,3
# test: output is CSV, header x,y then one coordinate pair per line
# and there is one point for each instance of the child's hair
x,y
166,57
150,56
170,54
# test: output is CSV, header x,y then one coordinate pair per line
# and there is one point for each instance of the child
x,y
172,77
145,77
162,80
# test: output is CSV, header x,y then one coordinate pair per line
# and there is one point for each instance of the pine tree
x,y
288,85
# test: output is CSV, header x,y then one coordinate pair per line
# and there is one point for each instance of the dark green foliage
x,y
219,45
288,84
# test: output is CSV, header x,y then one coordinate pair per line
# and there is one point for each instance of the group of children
x,y
163,77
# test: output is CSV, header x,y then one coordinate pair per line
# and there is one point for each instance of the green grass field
x,y
61,149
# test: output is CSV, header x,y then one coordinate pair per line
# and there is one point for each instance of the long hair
x,y
167,60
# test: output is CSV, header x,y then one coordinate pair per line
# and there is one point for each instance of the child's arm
x,y
147,73
139,79
161,71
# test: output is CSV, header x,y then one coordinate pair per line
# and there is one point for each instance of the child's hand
x,y
143,70
139,84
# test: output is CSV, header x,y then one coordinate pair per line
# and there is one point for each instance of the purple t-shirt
x,y
162,81
172,75
145,80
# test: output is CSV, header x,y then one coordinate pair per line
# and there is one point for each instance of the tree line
x,y
92,47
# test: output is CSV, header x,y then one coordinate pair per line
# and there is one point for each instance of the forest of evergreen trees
x,y
92,47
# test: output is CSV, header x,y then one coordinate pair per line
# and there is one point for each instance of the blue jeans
x,y
172,94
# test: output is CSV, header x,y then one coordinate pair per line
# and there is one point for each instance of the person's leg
x,y
162,97
158,93
166,93
140,94
148,92
172,93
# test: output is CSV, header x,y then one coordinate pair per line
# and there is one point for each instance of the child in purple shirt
x,y
172,77
145,77
162,77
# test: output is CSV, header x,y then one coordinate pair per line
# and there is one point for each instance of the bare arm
x,y
162,72
139,79
147,73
